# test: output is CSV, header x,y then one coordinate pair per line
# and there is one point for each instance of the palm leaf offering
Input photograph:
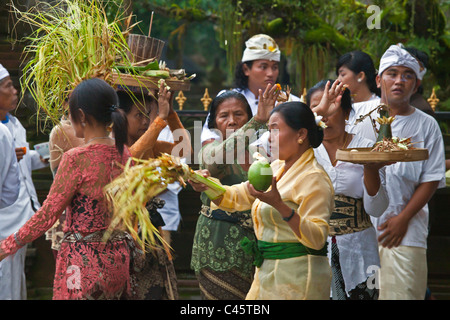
x,y
387,148
384,120
385,141
72,40
140,181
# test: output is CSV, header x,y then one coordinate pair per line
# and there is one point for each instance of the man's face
x,y
8,95
398,84
261,73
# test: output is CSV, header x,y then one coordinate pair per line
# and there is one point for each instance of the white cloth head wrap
x,y
397,56
3,73
261,47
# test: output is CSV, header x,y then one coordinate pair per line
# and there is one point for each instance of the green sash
x,y
283,250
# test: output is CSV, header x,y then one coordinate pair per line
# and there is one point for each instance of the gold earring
x,y
300,141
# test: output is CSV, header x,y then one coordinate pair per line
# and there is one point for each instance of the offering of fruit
x,y
260,173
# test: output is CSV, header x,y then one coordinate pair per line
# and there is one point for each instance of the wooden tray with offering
x,y
366,155
387,148
150,83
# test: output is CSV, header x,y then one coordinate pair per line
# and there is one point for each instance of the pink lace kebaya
x,y
85,269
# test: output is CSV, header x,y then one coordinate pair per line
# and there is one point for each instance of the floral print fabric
x,y
218,233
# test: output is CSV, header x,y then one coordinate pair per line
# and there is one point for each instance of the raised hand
x,y
164,97
331,99
266,103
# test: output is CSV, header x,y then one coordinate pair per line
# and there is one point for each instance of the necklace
x,y
98,138
345,142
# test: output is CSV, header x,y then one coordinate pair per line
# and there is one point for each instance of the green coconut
x,y
260,173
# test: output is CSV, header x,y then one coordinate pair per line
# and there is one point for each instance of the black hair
x,y
126,99
298,115
423,58
346,101
217,101
98,100
358,61
240,79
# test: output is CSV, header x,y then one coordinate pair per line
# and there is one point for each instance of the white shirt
x,y
402,178
22,209
170,212
361,109
358,252
9,177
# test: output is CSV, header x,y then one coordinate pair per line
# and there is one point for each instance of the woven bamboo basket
x,y
144,48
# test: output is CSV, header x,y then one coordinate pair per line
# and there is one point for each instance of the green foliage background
x,y
311,35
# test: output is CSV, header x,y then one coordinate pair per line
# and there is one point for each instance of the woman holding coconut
x,y
224,270
290,219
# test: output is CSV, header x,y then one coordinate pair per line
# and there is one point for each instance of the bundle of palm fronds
x,y
140,181
72,40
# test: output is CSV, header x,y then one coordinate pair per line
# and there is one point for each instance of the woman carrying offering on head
x,y
148,115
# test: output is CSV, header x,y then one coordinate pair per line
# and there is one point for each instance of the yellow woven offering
x,y
141,181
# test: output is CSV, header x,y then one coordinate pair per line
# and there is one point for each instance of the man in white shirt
x,y
12,275
403,228
9,176
259,66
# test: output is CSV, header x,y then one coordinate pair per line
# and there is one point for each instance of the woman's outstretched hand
x,y
266,103
3,255
200,187
164,97
331,99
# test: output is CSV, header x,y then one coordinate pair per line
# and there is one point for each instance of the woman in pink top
x,y
86,267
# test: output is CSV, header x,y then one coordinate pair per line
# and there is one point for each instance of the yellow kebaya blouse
x,y
306,188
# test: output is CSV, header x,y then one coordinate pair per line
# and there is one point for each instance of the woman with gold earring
x,y
148,116
356,69
291,217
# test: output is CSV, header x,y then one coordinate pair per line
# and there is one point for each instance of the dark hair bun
x,y
298,115
99,101
358,61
